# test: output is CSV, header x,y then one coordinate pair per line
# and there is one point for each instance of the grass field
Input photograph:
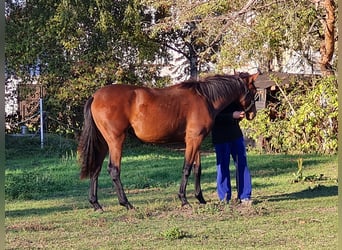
x,y
47,207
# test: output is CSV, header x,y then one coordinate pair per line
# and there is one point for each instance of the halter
x,y
250,106
256,97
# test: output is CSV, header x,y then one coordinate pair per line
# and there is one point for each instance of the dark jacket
x,y
226,128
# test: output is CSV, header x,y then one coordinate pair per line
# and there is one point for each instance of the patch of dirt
x,y
210,210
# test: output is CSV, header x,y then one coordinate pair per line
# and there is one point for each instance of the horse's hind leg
x,y
94,183
114,172
93,192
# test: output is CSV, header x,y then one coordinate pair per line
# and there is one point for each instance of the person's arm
x,y
239,115
236,115
224,117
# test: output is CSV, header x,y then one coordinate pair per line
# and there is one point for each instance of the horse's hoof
x,y
127,205
202,201
97,207
186,206
130,207
98,210
200,198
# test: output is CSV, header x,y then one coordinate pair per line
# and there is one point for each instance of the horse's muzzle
x,y
250,115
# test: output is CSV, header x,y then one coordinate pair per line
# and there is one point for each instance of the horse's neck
x,y
220,105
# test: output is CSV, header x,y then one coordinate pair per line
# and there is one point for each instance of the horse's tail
x,y
91,144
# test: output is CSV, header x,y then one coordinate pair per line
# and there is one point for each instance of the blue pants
x,y
237,150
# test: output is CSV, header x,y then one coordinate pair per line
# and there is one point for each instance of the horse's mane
x,y
216,86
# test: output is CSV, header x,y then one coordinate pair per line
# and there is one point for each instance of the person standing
x,y
228,141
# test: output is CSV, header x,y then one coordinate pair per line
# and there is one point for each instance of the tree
x,y
232,34
80,46
190,28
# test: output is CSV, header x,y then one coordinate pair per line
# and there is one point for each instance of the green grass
x,y
46,203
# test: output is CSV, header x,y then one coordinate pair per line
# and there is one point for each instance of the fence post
x,y
41,118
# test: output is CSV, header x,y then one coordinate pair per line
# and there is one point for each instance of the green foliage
x,y
299,174
264,35
25,179
300,177
310,128
174,233
17,147
231,34
84,45
80,46
32,184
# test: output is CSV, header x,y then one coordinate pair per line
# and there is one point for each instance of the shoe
x,y
223,202
246,202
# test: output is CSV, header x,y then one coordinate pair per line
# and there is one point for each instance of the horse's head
x,y
248,98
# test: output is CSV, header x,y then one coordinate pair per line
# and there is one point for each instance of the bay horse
x,y
184,112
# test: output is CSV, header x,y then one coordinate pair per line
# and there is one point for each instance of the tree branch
x,y
235,15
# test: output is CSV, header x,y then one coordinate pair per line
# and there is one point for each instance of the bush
x,y
31,172
31,184
174,233
21,147
308,125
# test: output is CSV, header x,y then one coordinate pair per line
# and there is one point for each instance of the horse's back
x,y
120,91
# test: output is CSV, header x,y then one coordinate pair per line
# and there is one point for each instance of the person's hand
x,y
239,115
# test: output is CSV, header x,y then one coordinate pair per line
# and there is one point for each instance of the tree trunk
x,y
193,67
327,45
193,60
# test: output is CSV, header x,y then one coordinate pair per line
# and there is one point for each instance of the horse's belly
x,y
159,132
162,117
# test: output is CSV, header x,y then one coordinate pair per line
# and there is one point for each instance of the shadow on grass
x,y
274,165
309,193
37,211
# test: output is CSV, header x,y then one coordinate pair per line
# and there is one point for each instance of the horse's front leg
x,y
197,175
114,172
185,177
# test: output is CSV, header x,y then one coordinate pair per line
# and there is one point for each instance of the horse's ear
x,y
253,77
